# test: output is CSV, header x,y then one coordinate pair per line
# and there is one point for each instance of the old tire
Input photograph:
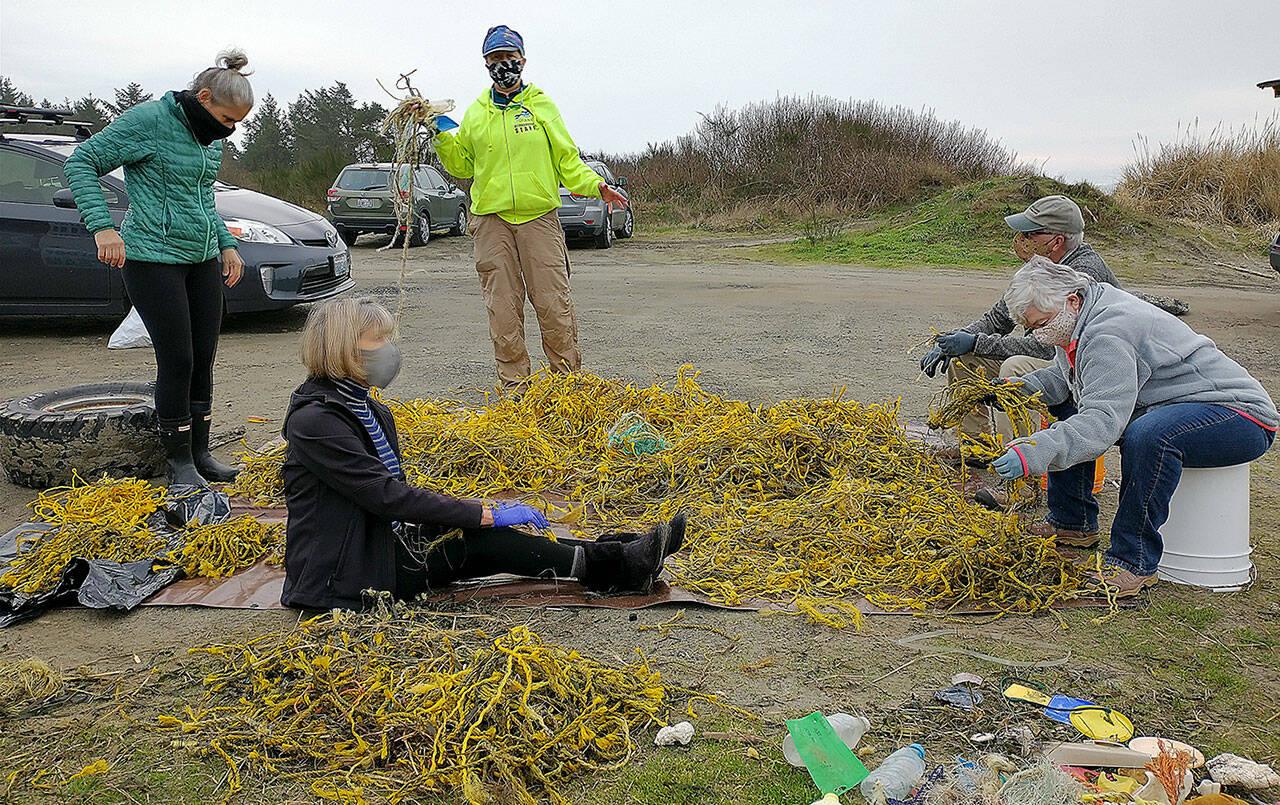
x,y
91,429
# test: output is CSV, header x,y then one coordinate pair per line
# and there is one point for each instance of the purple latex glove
x,y
509,514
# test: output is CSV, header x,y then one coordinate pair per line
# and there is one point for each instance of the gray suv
x,y
586,217
360,201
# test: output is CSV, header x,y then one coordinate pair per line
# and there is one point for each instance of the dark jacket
x,y
342,501
996,325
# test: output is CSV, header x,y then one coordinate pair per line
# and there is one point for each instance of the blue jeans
x,y
1154,449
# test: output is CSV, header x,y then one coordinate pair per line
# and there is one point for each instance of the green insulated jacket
x,y
518,155
169,177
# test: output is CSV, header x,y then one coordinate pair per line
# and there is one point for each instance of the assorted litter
x,y
389,705
808,502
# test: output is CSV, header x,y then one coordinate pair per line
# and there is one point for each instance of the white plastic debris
x,y
131,333
1228,769
966,678
680,733
1208,788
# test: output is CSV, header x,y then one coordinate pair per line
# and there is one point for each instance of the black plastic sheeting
x,y
102,583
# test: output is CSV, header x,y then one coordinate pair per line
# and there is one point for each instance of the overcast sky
x,y
1068,85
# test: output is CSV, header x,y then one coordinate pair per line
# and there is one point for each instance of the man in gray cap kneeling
x,y
1054,228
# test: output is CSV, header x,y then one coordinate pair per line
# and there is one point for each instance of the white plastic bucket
x,y
1206,539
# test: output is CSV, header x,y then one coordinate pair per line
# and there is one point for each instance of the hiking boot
x,y
210,468
1117,581
176,440
1065,537
625,568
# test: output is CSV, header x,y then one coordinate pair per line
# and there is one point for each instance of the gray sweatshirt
x,y
994,328
1130,357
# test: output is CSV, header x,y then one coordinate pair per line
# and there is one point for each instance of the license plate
x,y
368,203
342,265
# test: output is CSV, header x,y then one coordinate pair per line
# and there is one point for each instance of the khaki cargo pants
x,y
979,420
515,260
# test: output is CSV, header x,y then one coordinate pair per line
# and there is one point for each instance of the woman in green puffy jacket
x,y
173,248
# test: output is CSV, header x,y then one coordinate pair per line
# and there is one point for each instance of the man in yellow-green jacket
x,y
514,144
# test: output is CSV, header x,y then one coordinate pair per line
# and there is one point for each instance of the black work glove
x,y
932,360
957,342
990,399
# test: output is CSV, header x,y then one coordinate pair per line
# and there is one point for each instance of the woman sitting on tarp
x,y
356,525
1125,372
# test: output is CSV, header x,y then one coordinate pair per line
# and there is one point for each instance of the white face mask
x,y
1057,331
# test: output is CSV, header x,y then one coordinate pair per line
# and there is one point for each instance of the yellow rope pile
x,y
801,502
259,478
107,519
221,549
112,519
794,502
387,706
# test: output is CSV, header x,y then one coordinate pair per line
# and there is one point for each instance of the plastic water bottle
x,y
896,776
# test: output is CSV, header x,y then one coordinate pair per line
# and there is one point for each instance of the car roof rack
x,y
1274,86
26,115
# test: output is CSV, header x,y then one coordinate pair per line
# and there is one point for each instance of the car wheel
x,y
89,429
348,236
419,230
605,239
460,225
628,226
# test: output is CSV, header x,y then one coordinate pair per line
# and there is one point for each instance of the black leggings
x,y
181,304
482,552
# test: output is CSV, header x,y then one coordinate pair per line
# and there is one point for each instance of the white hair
x,y
1070,240
1044,285
226,83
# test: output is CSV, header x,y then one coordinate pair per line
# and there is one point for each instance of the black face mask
x,y
204,125
506,74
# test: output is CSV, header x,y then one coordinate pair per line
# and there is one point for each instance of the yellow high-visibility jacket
x,y
518,156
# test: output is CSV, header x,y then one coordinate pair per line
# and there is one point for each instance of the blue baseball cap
x,y
500,37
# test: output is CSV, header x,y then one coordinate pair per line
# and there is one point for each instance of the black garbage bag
x,y
95,583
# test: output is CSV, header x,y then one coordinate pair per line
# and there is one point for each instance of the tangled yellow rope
x,y
113,519
804,500
386,706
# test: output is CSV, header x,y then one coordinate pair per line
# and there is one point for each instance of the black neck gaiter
x,y
204,125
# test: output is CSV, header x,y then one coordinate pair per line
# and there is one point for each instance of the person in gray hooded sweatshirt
x,y
1125,371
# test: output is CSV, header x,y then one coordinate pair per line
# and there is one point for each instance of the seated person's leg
x,y
614,563
1155,448
1072,506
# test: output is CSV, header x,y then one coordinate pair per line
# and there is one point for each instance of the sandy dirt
x,y
757,331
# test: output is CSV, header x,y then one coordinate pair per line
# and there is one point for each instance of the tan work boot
x,y
1120,582
1080,540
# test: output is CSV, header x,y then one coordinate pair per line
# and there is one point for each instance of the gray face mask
x,y
381,365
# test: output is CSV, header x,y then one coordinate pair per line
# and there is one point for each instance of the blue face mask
x,y
381,365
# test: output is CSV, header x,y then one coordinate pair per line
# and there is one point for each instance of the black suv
x,y
49,261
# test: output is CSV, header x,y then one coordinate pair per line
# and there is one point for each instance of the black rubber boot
x,y
211,468
625,568
176,440
675,540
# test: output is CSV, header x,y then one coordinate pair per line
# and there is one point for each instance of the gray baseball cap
x,y
1054,213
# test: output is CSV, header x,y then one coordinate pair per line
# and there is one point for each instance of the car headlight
x,y
255,231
